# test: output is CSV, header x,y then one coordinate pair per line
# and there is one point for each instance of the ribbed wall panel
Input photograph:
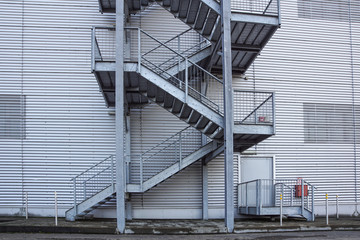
x,y
309,61
45,56
152,124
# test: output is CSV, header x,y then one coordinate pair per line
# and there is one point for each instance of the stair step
x,y
185,112
166,3
177,105
203,121
193,118
174,7
210,23
219,134
210,128
192,12
160,94
183,8
151,90
168,101
201,16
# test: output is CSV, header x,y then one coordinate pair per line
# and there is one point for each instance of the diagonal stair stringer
x,y
173,169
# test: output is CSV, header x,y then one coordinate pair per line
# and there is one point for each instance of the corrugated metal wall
x,y
309,61
45,56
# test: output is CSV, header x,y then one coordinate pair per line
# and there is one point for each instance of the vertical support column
x,y
205,193
128,164
204,169
228,114
119,114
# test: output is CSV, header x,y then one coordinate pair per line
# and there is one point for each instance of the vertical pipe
x,y
327,209
74,194
257,197
228,114
180,150
26,206
273,113
246,198
337,206
281,206
312,203
56,210
119,117
302,197
205,194
92,49
186,80
139,50
112,171
141,173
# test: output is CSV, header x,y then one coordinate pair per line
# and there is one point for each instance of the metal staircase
x,y
253,23
179,75
96,186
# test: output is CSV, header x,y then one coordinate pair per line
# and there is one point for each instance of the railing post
x,y
75,202
302,197
291,197
327,209
85,189
281,204
180,150
246,199
139,50
26,206
92,49
141,173
56,210
112,172
258,196
179,60
337,206
186,80
312,203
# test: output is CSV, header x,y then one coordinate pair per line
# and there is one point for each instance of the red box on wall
x,y
298,191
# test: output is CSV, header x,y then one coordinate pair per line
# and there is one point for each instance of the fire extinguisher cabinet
x,y
298,191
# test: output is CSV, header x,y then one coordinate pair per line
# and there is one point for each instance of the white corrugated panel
x,y
151,125
45,56
216,185
308,61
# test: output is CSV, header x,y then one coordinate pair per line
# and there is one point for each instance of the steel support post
x,y
119,108
205,194
204,167
228,114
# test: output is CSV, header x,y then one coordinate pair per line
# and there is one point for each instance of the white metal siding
x,y
309,61
45,55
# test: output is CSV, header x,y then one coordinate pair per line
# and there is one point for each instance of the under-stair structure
x,y
180,75
275,197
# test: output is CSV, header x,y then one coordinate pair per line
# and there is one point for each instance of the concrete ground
x,y
325,235
172,227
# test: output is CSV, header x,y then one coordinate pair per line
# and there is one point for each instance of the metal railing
x,y
266,193
93,180
171,151
263,7
251,107
168,59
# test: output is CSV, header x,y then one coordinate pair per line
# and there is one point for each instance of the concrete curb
x,y
170,230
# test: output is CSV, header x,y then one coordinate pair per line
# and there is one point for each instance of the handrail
x,y
167,41
149,150
92,167
253,111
